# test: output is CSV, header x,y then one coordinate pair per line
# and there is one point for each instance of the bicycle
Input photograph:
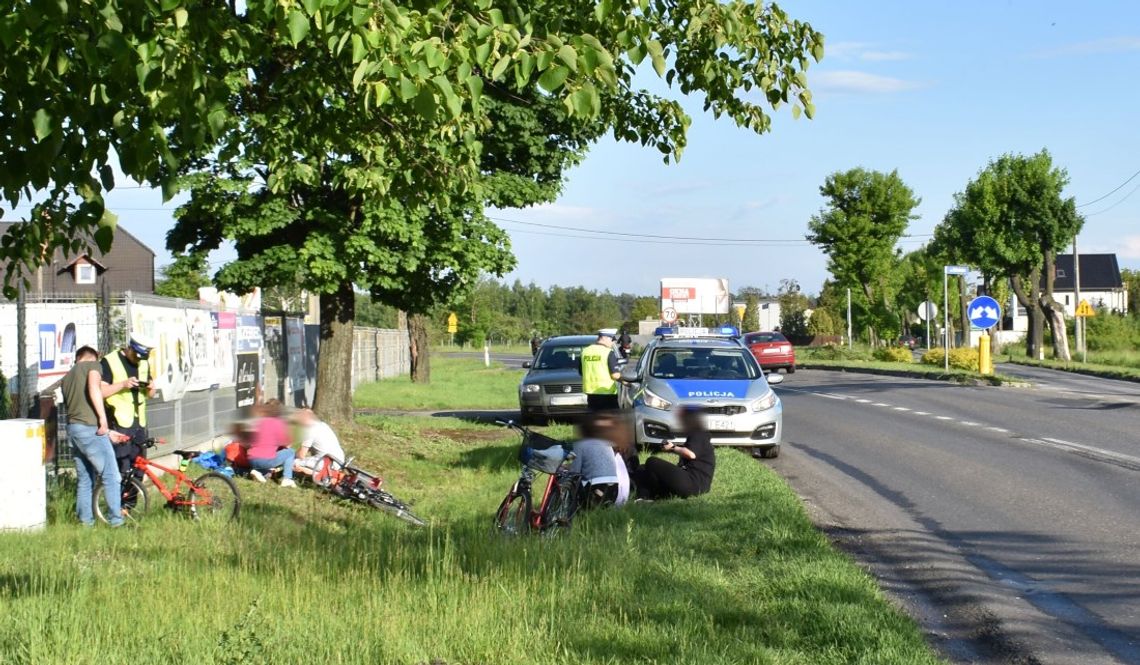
x,y
539,453
351,483
211,497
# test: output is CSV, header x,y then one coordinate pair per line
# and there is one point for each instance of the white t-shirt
x,y
623,480
321,440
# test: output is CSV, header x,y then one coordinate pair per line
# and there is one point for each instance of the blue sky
x,y
934,90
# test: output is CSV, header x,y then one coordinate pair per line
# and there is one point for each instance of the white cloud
x,y
859,82
1129,247
862,51
1097,46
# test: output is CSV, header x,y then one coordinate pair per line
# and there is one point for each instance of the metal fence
x,y
209,363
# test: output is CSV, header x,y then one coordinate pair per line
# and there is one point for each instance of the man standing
x,y
600,372
87,431
624,343
127,386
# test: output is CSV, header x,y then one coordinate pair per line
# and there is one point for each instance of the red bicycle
x,y
560,498
211,497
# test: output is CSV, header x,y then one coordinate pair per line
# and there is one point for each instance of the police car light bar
x,y
719,331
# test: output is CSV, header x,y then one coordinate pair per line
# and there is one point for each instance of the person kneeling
x,y
693,473
596,462
269,446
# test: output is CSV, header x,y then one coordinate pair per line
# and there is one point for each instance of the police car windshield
x,y
559,357
731,364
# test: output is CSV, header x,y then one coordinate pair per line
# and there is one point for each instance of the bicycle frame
x,y
525,483
173,497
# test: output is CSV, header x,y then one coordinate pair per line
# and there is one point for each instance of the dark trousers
x,y
658,479
602,402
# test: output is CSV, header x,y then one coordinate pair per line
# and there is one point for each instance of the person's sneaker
x,y
288,482
256,475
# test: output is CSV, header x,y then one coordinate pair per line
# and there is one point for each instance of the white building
x,y
1101,287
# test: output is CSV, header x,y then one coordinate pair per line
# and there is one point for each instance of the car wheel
x,y
766,452
790,369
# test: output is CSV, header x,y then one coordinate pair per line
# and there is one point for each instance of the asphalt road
x,y
1006,520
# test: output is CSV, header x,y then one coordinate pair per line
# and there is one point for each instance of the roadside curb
x,y
1084,371
954,378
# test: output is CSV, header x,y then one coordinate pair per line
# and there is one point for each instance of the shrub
x,y
834,352
963,358
894,354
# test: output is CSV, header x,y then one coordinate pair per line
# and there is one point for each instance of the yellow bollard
x,y
985,362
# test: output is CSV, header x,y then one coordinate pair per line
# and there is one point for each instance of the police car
x,y
711,369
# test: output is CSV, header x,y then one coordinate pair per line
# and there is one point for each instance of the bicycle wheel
x,y
213,498
560,507
513,517
134,499
390,504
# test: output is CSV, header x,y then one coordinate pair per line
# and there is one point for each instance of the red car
x,y
772,350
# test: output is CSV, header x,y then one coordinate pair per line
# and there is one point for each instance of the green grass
x,y
456,383
1113,365
737,576
908,369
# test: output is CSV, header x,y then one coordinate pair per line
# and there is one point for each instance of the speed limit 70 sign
x,y
668,315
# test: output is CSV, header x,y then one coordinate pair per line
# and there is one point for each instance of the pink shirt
x,y
269,435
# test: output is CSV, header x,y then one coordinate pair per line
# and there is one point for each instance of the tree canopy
x,y
866,214
1009,222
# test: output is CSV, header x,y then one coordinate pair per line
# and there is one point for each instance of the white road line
x,y
922,413
1001,430
830,396
901,408
880,404
944,417
863,401
968,423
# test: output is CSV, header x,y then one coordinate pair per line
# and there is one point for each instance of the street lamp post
x,y
946,272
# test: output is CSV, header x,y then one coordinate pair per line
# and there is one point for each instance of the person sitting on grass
x,y
693,473
318,443
595,460
269,445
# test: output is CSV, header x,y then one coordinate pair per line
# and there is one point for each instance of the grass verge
x,y
456,383
917,370
1114,371
737,576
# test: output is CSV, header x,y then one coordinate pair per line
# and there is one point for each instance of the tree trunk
x,y
333,399
1055,314
418,341
963,315
1030,300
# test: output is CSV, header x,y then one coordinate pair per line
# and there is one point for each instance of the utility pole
x,y
850,342
1078,321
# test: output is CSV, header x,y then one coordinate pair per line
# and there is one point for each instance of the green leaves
x,y
298,25
553,78
41,122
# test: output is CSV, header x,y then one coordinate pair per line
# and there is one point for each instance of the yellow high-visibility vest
x,y
596,378
127,404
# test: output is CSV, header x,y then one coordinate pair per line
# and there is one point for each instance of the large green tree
x,y
183,278
866,214
1010,221
355,129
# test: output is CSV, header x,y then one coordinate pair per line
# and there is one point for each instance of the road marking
x,y
944,417
922,413
901,408
968,423
863,401
880,404
832,396
1000,430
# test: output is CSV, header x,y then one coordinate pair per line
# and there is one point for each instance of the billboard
x,y
696,295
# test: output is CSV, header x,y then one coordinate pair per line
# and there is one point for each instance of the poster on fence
x,y
295,350
225,329
53,332
248,371
248,333
170,358
200,335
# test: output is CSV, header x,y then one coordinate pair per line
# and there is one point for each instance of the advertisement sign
x,y
53,332
295,350
225,344
248,333
248,378
200,335
695,295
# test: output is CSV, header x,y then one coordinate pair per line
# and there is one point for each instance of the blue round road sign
x,y
984,312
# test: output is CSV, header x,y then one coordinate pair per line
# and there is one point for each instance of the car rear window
x,y
558,357
756,338
716,364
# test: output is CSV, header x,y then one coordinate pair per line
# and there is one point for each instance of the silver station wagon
x,y
710,369
552,388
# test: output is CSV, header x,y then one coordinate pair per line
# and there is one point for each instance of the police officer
x,y
600,372
127,380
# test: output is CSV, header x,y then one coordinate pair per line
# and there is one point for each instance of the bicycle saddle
x,y
188,454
